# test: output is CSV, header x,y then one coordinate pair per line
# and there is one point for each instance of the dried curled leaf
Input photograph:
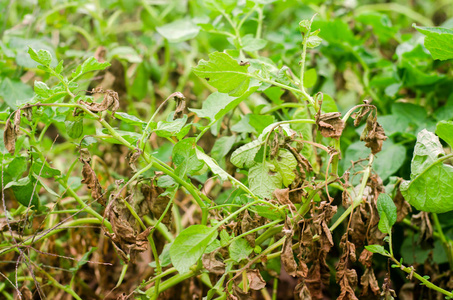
x,y
301,292
347,278
11,131
289,263
426,239
330,124
282,196
155,202
256,282
373,134
124,236
369,283
211,264
247,224
92,182
110,101
180,105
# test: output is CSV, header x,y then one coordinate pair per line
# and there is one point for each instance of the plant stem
x,y
445,243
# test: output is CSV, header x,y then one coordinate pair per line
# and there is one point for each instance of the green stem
x,y
356,202
445,243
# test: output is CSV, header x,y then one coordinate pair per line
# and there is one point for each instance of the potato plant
x,y
224,154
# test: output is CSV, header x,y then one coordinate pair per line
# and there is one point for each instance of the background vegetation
x,y
226,149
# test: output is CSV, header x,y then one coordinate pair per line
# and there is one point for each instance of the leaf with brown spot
x,y
155,201
330,124
422,220
92,182
366,258
211,264
240,294
373,134
256,282
361,113
402,206
11,131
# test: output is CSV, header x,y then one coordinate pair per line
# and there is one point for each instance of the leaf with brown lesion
x,y
330,124
213,265
156,202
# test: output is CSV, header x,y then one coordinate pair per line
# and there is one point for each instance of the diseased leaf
x,y
190,245
330,124
244,156
110,101
224,73
211,264
430,188
92,182
256,282
439,41
11,131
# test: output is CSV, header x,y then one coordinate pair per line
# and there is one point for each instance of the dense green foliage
x,y
226,149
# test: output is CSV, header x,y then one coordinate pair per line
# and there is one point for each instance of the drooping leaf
x,y
170,127
431,186
190,245
224,73
129,119
387,213
439,41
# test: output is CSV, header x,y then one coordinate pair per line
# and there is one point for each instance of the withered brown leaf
x,y
110,101
247,224
373,134
155,202
211,264
301,292
92,182
369,283
282,196
180,105
256,282
11,131
330,124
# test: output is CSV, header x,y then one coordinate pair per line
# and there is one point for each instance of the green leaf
x,y
259,122
224,238
15,93
438,41
264,179
267,212
129,119
126,53
250,43
43,170
185,158
42,56
224,73
218,104
387,213
42,89
212,165
179,30
285,163
222,147
83,260
189,245
170,128
89,65
239,249
377,249
17,167
244,156
444,130
431,186
164,257
74,126
25,190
